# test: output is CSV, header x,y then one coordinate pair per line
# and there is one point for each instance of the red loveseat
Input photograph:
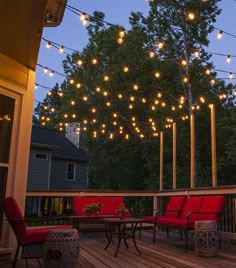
x,y
109,205
194,209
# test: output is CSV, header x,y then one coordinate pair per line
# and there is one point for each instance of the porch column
x,y
213,146
174,156
161,159
192,154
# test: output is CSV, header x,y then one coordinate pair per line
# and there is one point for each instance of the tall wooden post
x,y
213,146
192,154
161,159
174,155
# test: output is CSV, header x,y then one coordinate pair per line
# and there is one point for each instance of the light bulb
x,y
219,35
61,49
228,59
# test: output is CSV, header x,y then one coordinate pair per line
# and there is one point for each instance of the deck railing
x,y
48,203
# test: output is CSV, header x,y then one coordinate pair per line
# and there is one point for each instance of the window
x,y
70,172
41,156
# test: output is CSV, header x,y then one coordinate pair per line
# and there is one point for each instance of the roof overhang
x,y
21,27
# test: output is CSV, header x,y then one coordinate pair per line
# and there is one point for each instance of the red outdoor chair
x,y
25,237
172,210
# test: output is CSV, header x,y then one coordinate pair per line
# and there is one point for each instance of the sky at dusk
x,y
70,33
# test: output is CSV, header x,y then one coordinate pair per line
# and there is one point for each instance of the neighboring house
x,y
55,163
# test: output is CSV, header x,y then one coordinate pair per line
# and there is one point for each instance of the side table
x,y
61,249
118,226
206,238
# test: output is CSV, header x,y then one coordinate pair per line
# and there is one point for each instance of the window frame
x,y
39,158
74,171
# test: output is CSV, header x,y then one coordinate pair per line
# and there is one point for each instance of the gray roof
x,y
57,142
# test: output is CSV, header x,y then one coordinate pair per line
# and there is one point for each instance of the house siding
x,y
38,172
59,175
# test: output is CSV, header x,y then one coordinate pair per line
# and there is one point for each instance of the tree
x,y
125,89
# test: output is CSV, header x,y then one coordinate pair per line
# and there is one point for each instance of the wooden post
x,y
154,205
174,156
213,146
192,154
161,159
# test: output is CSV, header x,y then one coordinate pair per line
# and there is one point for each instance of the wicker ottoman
x,y
61,249
206,238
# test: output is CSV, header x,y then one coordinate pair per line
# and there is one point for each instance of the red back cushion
x,y
13,213
80,202
212,204
110,205
192,204
175,203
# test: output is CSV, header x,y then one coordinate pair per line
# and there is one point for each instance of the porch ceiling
x,y
21,27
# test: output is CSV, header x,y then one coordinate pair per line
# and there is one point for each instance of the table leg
x,y
108,228
124,236
119,239
134,240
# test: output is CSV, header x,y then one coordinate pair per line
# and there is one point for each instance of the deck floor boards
x,y
167,252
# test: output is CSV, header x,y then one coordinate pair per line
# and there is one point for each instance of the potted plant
x,y
93,208
122,211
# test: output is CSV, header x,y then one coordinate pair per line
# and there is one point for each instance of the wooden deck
x,y
168,252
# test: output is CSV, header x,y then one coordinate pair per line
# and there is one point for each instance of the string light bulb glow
x,y
220,35
160,44
157,74
120,41
151,54
106,78
79,62
196,54
191,16
94,61
228,59
48,44
184,62
125,69
61,49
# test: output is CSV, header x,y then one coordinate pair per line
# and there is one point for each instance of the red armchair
x,y
172,210
24,236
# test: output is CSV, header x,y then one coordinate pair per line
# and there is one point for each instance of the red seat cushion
x,y
174,206
175,222
38,235
80,202
150,219
192,204
212,204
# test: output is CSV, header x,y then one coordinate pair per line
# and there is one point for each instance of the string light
x,y
160,44
61,49
48,44
219,35
230,75
228,59
196,54
191,16
151,54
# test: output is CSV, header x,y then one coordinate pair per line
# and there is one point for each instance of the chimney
x,y
73,133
